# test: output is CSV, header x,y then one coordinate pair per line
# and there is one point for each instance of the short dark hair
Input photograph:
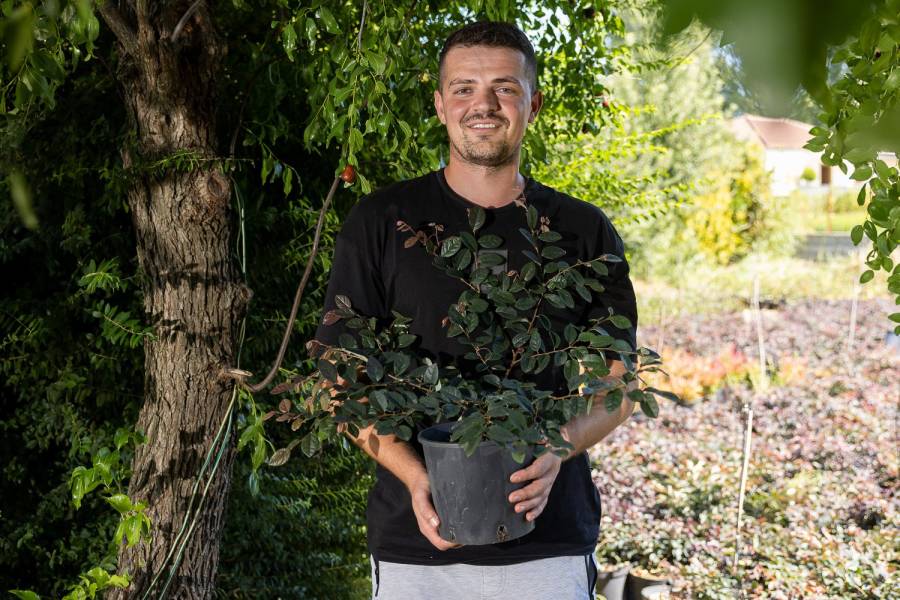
x,y
496,34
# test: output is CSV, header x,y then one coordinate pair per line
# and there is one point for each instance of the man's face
x,y
486,103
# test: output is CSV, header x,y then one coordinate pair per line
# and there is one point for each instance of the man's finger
x,y
533,471
535,489
429,523
528,504
430,531
530,472
536,512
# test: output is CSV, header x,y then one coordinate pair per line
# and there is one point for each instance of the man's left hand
x,y
533,497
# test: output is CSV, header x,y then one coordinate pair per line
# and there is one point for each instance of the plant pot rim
x,y
447,426
606,567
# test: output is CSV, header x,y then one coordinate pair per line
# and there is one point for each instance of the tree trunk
x,y
194,297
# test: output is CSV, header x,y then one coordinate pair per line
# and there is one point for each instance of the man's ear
x,y
439,106
537,101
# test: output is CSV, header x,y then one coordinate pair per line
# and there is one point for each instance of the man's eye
x,y
460,90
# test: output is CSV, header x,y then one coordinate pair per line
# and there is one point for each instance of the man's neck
x,y
485,186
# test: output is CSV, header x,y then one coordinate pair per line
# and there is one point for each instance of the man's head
x,y
487,92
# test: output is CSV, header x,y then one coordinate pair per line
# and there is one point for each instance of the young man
x,y
487,97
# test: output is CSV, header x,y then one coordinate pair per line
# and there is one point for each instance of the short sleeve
x,y
355,272
618,293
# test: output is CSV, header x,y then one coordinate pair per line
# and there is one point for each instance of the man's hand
x,y
533,497
420,492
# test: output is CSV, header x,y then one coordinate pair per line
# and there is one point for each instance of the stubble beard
x,y
485,153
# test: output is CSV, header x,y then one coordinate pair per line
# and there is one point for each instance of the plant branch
x,y
122,30
256,387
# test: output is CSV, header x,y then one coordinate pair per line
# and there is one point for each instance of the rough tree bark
x,y
170,55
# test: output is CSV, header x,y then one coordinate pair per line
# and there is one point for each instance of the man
x,y
487,96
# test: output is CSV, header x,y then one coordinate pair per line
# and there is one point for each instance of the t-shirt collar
x,y
465,203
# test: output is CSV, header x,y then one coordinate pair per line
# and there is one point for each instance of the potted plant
x,y
483,417
611,580
642,583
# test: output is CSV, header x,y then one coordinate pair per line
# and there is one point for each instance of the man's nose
x,y
486,100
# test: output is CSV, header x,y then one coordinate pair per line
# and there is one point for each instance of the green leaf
x,y
895,317
476,218
529,271
664,394
490,259
571,371
430,377
374,369
404,432
549,236
121,438
133,530
451,246
380,398
405,340
478,304
520,339
328,370
490,241
867,276
862,173
499,433
620,321
532,217
535,342
553,252
650,407
356,139
525,303
462,259
328,19
613,400
600,268
856,234
25,594
120,502
310,444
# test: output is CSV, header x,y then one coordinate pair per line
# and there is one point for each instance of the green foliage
x,y
306,529
501,318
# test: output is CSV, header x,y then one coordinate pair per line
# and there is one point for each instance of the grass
x,y
840,222
716,289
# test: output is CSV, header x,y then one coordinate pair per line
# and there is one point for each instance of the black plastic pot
x,y
611,581
636,585
471,493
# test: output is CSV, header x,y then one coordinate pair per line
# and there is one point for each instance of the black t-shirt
x,y
378,274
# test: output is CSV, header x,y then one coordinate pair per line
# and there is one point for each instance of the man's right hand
x,y
420,492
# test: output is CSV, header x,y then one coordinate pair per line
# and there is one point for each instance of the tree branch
x,y
116,22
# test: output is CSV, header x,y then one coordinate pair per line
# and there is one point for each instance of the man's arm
x,y
582,432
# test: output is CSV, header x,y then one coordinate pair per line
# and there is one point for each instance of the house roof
x,y
772,133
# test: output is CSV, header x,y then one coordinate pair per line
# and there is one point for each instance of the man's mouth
x,y
486,125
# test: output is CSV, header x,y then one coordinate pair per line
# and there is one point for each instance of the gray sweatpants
x,y
557,578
